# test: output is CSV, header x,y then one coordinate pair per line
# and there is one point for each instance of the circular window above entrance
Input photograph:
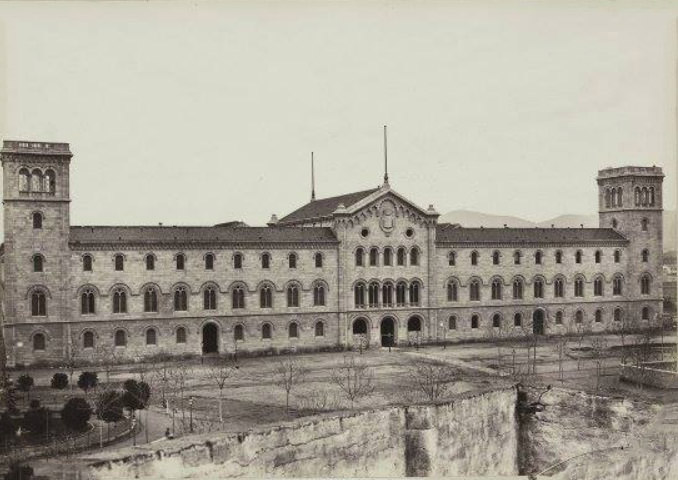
x,y
364,232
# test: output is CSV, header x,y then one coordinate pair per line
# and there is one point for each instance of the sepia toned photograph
x,y
338,239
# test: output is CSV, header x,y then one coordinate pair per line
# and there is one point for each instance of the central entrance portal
x,y
210,338
538,322
387,332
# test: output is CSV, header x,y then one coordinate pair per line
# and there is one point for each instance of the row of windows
x,y
388,257
539,257
151,335
614,197
643,197
387,294
36,181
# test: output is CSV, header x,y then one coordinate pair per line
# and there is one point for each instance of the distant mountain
x,y
468,218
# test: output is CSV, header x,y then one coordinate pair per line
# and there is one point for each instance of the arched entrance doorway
x,y
538,322
360,335
414,330
210,338
388,333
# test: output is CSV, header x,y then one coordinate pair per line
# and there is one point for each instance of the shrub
x,y
25,383
136,394
8,426
19,472
109,406
35,420
59,381
76,413
87,381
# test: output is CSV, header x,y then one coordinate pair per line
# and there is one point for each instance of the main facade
x,y
364,268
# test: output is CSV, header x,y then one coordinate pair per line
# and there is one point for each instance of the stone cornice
x,y
113,246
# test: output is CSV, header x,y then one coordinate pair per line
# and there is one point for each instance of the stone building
x,y
366,267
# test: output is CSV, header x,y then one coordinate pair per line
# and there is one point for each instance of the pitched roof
x,y
448,233
325,206
199,235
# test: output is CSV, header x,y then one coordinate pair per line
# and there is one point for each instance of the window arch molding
x,y
267,283
114,335
40,331
39,288
208,284
238,283
38,262
157,334
88,331
271,327
37,219
237,259
319,327
318,259
148,285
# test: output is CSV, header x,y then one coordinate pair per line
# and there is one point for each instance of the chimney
x,y
273,221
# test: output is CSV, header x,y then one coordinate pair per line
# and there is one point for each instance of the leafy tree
x,y
87,381
35,420
109,405
25,383
59,381
8,426
136,394
76,413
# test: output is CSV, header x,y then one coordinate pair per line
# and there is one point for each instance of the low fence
x,y
659,374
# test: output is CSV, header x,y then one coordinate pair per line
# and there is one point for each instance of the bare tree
x,y
288,374
431,379
561,341
599,347
108,357
580,330
219,374
179,375
498,334
160,378
354,378
623,328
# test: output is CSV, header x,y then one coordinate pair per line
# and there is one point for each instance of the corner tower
x,y
36,259
630,201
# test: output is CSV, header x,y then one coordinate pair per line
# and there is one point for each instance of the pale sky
x,y
198,113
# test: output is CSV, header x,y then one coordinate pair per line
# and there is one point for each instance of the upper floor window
x,y
38,263
292,260
319,329
598,287
181,335
266,297
36,180
87,263
517,320
209,261
645,285
150,300
645,255
496,320
617,256
238,333
387,294
579,317
414,256
559,318
24,180
577,256
452,323
87,306
266,331
88,339
452,259
475,321
150,262
474,258
359,257
474,290
374,256
643,224
388,257
37,220
120,338
598,255
401,256
414,293
119,301
517,289
238,297
119,262
265,260
401,288
537,257
579,287
559,256
373,294
558,287
496,289
180,299
209,298
359,295
617,284
452,291
495,258
237,260
318,295
180,260
318,258
599,315
293,330
151,336
49,184
292,296
516,257
538,288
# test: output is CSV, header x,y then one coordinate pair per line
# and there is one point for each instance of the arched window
x,y
618,314
401,256
151,337
474,290
24,180
645,285
88,340
496,320
180,261
318,258
387,294
579,287
119,261
36,180
209,261
538,288
150,262
643,224
359,257
452,323
474,258
537,257
475,321
238,333
599,316
452,291
120,338
237,260
558,287
119,301
452,259
652,196
50,181
37,263
265,260
617,256
496,289
150,300
577,256
265,297
87,302
645,315
517,320
516,257
292,296
645,255
359,295
559,256
559,318
517,289
373,295
607,198
38,304
180,299
617,284
615,223
181,335
238,297
414,293
87,263
374,257
636,196
359,327
597,256
579,317
292,260
319,295
414,324
209,298
37,220
598,287
319,329
401,288
495,258
388,257
266,331
293,330
39,341
414,256
620,197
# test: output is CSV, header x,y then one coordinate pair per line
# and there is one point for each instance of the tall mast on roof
x,y
385,159
312,179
